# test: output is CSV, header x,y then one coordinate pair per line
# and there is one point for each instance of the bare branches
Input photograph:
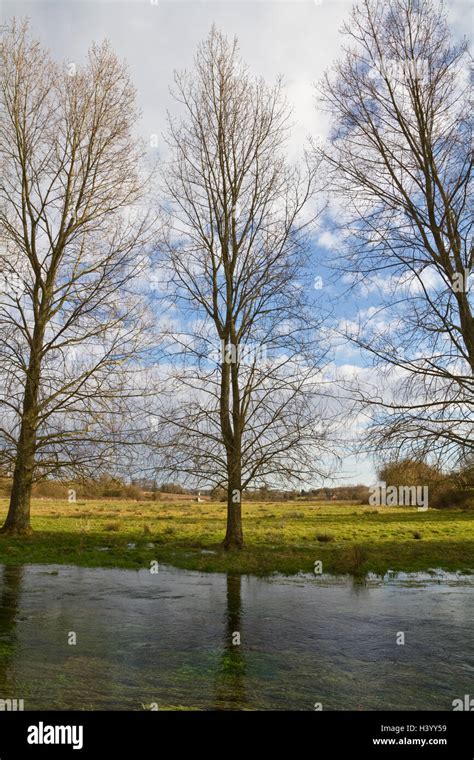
x,y
236,244
74,232
235,247
400,160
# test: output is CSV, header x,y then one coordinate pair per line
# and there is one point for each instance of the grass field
x,y
285,537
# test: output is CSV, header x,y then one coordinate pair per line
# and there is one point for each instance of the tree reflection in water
x,y
10,591
230,683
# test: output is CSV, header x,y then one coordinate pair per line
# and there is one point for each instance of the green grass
x,y
286,537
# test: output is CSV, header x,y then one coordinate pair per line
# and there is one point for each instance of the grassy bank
x,y
280,537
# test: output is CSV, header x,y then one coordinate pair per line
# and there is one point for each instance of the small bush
x,y
111,526
219,494
454,497
324,538
50,489
356,558
132,492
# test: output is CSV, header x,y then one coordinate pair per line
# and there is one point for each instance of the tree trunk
x,y
467,325
18,518
234,537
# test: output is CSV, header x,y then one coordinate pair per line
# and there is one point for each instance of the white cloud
x,y
295,39
329,240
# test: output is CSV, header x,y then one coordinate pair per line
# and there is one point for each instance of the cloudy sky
x,y
298,39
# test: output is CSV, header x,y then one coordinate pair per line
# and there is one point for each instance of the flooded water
x,y
171,640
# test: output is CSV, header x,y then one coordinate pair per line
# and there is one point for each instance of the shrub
x,y
355,557
410,472
50,489
324,538
218,494
451,496
111,526
132,492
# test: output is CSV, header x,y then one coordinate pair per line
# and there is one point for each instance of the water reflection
x,y
230,682
10,595
209,641
360,587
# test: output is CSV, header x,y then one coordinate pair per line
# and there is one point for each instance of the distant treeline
x,y
108,487
358,493
455,489
102,488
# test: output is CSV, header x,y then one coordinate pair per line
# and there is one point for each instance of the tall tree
x,y
399,165
241,409
71,235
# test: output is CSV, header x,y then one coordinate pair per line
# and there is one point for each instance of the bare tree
x,y
399,165
71,236
243,365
